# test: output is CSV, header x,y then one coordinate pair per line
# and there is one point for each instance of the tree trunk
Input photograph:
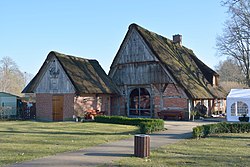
x,y
248,81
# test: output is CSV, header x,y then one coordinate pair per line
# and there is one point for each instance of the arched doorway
x,y
139,103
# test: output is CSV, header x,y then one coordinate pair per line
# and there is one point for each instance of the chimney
x,y
177,39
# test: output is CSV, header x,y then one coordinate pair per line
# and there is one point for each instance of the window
x,y
239,108
139,103
233,113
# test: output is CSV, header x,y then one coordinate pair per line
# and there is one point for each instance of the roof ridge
x,y
56,53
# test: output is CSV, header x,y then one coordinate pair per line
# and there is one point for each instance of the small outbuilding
x,y
67,86
238,102
8,105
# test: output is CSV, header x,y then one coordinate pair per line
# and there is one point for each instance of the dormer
x,y
215,80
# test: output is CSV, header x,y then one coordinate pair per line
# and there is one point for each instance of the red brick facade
x,y
105,105
173,98
175,102
68,107
44,105
118,105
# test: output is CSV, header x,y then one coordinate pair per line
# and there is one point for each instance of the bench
x,y
171,114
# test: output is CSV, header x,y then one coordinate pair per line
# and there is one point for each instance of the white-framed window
x,y
239,108
233,110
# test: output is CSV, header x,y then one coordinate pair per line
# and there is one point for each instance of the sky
x,y
94,29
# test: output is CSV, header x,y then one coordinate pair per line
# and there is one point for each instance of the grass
x,y
26,140
218,150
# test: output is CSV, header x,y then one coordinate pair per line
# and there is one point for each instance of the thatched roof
x,y
188,71
87,76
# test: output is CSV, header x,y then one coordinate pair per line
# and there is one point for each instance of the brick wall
x,y
123,106
172,90
174,97
118,106
105,105
174,102
68,106
44,107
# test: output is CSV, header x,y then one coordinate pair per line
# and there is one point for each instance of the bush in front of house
x,y
223,127
151,126
147,125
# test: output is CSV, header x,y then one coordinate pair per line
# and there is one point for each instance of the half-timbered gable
x,y
54,79
156,74
136,64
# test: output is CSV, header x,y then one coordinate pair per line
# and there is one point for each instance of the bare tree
x,y
11,78
229,71
228,85
231,76
234,42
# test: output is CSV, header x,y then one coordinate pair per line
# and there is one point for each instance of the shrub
x,y
153,126
223,127
147,125
198,132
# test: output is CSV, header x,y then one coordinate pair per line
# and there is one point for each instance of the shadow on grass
x,y
70,133
229,137
174,135
109,154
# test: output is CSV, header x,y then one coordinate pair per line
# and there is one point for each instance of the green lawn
x,y
218,150
26,140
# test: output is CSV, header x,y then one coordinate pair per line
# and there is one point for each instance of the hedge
x,y
223,127
147,125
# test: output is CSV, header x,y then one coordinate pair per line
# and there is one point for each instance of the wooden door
x,y
57,108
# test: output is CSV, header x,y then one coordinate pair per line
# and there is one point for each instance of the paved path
x,y
106,153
